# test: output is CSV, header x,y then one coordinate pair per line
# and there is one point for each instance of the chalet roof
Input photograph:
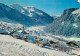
x,y
24,32
44,41
3,31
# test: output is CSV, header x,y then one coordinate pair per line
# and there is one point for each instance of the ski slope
x,y
15,47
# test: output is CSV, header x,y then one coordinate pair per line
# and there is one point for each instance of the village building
x,y
73,44
41,43
3,30
21,34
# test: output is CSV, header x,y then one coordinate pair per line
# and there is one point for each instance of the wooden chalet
x,y
41,43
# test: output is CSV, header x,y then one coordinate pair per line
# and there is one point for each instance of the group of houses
x,y
7,29
56,44
26,36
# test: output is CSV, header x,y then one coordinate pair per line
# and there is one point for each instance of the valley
x,y
28,31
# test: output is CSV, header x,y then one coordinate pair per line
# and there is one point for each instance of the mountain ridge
x,y
34,13
66,25
15,15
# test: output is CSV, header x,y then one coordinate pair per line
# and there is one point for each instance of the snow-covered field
x,y
15,47
43,34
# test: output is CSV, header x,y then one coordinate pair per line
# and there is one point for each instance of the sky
x,y
52,7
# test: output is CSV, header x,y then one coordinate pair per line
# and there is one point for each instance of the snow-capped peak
x,y
25,7
28,7
55,16
31,9
76,12
16,6
23,13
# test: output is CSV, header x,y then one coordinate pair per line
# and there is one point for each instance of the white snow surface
x,y
15,47
76,12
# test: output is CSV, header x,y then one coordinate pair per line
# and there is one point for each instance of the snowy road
x,y
15,47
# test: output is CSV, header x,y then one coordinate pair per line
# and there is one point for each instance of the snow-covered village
x,y
28,30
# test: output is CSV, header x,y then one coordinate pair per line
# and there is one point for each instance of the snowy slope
x,y
14,47
19,8
6,27
38,15
55,16
29,17
68,24
20,15
14,15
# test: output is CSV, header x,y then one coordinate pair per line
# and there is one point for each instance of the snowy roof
x,y
20,31
44,41
24,32
3,31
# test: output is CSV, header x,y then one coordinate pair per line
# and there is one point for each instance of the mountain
x,y
17,13
12,14
19,8
55,16
37,15
68,24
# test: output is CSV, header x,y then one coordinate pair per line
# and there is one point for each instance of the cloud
x,y
79,1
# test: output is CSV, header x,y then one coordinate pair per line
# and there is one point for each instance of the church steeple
x,y
23,30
